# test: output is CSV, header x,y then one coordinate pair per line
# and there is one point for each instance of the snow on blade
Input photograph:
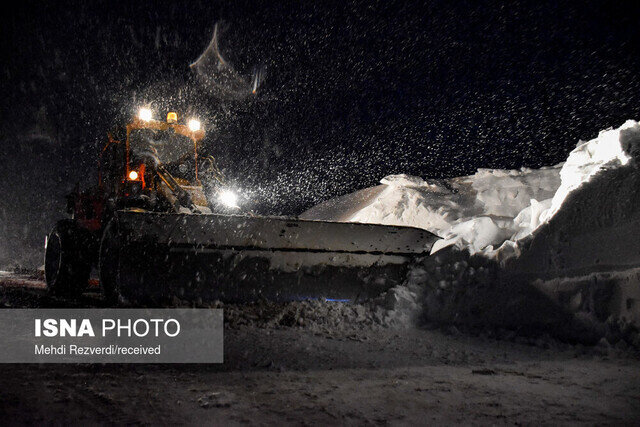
x,y
491,210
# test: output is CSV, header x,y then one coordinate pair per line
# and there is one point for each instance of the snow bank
x,y
489,211
566,257
477,211
611,149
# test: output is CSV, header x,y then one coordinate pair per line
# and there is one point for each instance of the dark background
x,y
353,91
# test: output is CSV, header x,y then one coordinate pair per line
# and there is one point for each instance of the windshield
x,y
164,146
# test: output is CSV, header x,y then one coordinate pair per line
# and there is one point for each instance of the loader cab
x,y
130,160
150,143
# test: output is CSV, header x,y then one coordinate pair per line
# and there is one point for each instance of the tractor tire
x,y
67,261
109,264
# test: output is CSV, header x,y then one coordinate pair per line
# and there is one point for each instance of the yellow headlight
x,y
133,175
172,118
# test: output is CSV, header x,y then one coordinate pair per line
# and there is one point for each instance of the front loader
x,y
160,224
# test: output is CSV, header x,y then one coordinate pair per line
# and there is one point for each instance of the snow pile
x,y
612,148
476,211
489,211
552,250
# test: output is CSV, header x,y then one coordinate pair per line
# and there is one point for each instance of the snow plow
x,y
161,225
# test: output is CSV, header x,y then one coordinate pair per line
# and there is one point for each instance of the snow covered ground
x,y
552,246
330,363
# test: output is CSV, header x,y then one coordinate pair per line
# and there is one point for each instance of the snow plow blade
x,y
159,256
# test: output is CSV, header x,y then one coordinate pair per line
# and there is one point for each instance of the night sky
x,y
352,91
